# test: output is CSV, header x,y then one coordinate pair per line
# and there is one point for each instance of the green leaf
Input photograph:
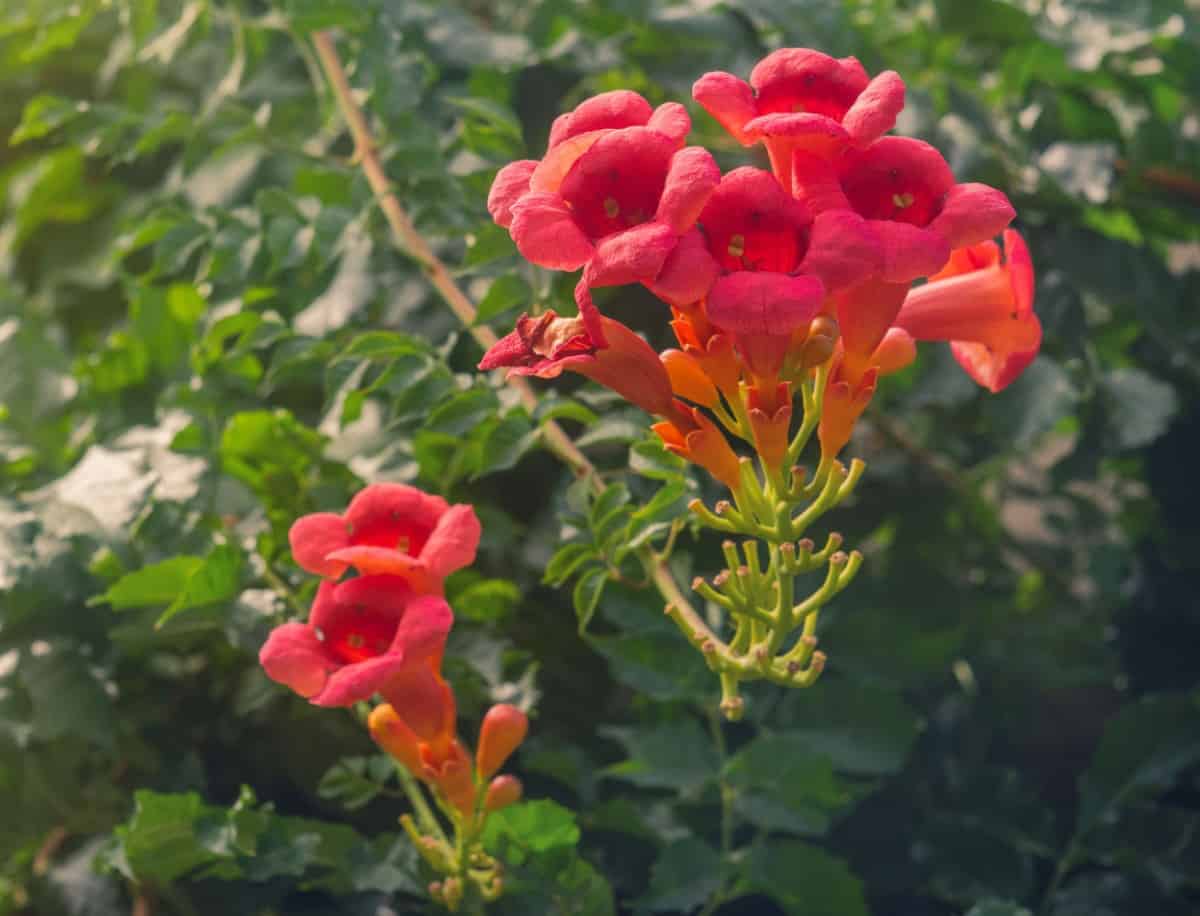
x,y
585,597
566,560
217,579
356,781
487,599
462,411
159,583
506,292
676,755
804,879
505,442
530,828
684,876
44,114
1144,749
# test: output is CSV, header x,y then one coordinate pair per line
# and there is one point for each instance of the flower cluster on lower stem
x,y
381,633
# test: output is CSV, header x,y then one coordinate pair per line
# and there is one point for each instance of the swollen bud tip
x,y
504,728
502,792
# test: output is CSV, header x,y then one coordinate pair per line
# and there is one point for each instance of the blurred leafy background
x,y
205,332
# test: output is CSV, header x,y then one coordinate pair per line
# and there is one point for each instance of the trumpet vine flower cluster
x,y
382,633
786,286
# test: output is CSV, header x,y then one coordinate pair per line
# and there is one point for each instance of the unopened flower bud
x,y
392,734
456,782
503,791
818,347
504,728
688,379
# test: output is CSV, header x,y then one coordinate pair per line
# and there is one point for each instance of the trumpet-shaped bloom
x,y
798,98
982,302
364,636
389,528
614,192
589,121
908,195
777,264
600,348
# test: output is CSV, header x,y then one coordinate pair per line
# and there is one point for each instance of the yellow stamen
x,y
903,201
737,246
611,207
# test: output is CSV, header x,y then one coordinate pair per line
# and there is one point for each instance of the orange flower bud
x,y
504,728
455,780
502,792
687,377
770,418
391,733
844,404
818,345
702,444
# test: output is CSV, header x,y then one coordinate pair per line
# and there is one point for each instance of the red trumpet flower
x,y
982,302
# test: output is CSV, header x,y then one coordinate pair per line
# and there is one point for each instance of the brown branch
x,y
409,239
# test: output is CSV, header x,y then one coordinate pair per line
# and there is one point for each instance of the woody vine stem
x,y
411,242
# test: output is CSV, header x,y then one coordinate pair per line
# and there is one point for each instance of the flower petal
x,y
909,251
606,111
381,596
729,100
631,256
509,185
764,303
381,503
295,657
874,112
688,273
1020,265
546,233
421,636
843,250
314,537
672,119
691,180
360,681
453,542
373,561
973,213
994,371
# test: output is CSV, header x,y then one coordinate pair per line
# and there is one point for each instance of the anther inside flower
x,y
389,528
362,636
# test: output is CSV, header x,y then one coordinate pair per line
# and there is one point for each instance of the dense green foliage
x,y
205,331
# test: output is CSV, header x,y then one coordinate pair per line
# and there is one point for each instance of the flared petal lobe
x,y
510,185
361,636
387,528
982,304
